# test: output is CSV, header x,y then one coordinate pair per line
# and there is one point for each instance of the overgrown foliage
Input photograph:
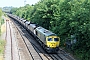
x,y
0,12
65,18
2,44
0,20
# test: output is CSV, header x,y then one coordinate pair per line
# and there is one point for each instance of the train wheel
x,y
43,46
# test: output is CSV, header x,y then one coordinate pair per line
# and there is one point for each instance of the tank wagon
x,y
48,40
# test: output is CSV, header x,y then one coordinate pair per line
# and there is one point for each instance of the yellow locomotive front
x,y
52,43
48,40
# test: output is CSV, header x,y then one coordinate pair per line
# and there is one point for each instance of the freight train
x,y
48,40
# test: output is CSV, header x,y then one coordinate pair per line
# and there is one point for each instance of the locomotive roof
x,y
45,31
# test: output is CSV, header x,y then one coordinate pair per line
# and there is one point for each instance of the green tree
x,y
13,10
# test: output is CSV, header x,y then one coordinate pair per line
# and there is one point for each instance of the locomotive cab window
x,y
49,39
56,39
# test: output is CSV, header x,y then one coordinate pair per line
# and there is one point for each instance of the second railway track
x,y
9,38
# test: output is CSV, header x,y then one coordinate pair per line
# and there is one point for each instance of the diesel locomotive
x,y
48,40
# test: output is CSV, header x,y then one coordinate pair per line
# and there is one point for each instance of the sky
x,y
16,3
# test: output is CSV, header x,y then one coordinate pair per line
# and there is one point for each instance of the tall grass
x,y
2,49
2,44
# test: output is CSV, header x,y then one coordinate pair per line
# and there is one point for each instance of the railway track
x,y
11,51
34,55
9,38
35,50
67,55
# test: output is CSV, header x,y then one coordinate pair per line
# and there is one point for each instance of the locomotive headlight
x,y
48,45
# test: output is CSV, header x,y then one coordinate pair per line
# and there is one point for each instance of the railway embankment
x,y
2,40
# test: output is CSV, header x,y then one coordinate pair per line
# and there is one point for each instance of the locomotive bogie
x,y
52,50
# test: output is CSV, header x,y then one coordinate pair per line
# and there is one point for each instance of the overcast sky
x,y
16,3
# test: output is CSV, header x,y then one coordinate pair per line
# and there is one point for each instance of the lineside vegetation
x,y
65,18
0,20
2,42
